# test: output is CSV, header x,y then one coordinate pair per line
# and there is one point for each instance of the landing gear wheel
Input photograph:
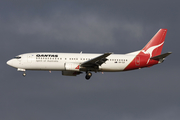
x,y
24,74
88,75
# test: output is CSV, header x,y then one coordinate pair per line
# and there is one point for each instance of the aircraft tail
x,y
151,53
155,45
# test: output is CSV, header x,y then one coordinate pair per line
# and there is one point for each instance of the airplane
x,y
73,64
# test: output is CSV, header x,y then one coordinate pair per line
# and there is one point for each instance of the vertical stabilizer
x,y
155,45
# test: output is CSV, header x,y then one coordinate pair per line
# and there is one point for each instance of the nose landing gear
x,y
24,74
88,75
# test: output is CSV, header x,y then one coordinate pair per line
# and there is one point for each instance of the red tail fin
x,y
153,48
155,45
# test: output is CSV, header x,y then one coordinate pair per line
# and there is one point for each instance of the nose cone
x,y
10,62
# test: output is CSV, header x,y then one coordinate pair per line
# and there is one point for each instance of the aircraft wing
x,y
97,61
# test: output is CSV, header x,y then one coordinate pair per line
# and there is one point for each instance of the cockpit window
x,y
17,57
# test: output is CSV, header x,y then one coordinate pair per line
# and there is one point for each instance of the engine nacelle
x,y
72,66
70,73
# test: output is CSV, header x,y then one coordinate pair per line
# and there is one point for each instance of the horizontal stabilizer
x,y
160,57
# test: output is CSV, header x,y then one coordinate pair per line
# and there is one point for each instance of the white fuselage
x,y
72,64
57,61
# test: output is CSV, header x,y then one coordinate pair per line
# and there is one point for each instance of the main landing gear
x,y
88,75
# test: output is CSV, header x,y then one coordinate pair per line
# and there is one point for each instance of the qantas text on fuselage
x,y
72,64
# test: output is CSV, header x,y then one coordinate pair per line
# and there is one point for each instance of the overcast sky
x,y
91,26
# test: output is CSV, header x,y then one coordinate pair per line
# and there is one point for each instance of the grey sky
x,y
94,27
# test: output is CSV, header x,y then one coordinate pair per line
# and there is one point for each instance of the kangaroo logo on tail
x,y
150,50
